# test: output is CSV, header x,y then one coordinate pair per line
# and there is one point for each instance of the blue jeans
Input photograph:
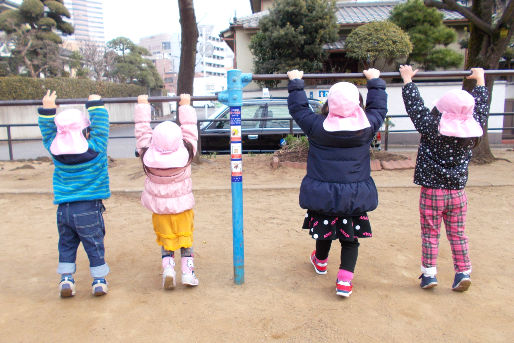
x,y
81,221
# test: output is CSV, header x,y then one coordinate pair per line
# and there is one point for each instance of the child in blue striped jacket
x,y
78,146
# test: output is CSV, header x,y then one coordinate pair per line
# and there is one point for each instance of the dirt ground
x,y
282,299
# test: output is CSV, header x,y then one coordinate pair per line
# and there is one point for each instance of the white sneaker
x,y
169,276
188,273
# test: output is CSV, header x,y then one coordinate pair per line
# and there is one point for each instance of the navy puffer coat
x,y
338,180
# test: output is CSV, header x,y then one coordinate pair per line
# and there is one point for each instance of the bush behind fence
x,y
26,88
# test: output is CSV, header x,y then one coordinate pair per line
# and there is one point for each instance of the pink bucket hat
x,y
344,111
456,107
69,138
167,149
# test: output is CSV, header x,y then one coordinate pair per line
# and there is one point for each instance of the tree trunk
x,y
487,43
485,51
189,38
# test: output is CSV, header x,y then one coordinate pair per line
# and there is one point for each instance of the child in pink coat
x,y
166,153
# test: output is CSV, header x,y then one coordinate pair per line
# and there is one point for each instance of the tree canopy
x,y
130,66
292,36
428,35
32,30
490,36
378,44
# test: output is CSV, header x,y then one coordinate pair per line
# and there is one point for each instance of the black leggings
x,y
349,252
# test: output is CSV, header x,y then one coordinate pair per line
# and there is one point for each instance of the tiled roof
x,y
252,21
365,12
348,13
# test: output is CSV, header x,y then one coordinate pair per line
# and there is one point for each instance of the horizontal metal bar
x,y
461,73
249,119
105,100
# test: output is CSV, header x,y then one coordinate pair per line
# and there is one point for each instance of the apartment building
x,y
213,59
87,17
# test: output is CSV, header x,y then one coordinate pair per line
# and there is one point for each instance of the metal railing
x,y
292,130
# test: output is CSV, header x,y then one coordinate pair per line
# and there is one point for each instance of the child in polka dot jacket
x,y
338,190
448,133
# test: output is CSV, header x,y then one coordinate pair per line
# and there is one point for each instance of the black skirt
x,y
346,228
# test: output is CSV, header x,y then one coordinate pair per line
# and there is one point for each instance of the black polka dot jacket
x,y
442,161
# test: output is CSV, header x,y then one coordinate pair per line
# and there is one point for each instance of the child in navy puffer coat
x,y
338,190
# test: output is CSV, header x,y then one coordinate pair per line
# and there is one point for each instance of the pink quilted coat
x,y
167,192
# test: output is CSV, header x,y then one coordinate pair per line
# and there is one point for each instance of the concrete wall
x,y
28,115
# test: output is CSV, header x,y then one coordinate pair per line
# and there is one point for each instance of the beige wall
x,y
244,57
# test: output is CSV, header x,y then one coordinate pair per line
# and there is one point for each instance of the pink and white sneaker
x,y
168,274
188,272
320,266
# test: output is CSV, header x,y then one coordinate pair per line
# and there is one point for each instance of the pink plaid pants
x,y
451,206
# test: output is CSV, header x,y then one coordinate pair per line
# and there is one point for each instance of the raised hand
x,y
142,99
477,74
93,97
49,100
294,74
407,73
371,73
185,99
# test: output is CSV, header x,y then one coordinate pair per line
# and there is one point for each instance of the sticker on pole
x,y
237,170
235,116
236,150
235,133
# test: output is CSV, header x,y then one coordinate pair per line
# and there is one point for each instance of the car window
x,y
315,107
279,111
251,112
247,112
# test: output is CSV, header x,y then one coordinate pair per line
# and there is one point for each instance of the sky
x,y
136,19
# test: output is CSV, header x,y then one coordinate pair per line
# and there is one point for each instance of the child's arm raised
x,y
297,102
481,95
188,120
423,121
142,117
46,119
376,100
99,118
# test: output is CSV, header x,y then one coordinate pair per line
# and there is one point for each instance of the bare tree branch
x,y
451,5
507,17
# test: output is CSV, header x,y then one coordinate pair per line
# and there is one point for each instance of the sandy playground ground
x,y
282,299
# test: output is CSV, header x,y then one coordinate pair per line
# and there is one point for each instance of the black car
x,y
264,123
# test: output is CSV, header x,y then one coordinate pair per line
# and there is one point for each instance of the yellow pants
x,y
174,231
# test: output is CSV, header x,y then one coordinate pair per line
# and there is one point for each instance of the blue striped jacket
x,y
87,180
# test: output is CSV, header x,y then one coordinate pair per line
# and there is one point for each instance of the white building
x,y
87,17
213,59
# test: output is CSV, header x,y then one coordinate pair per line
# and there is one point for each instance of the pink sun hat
x,y
69,138
456,107
167,149
344,111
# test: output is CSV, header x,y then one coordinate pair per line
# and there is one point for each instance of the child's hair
x,y
188,146
324,108
86,132
470,142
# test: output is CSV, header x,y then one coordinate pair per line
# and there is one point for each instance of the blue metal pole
x,y
233,96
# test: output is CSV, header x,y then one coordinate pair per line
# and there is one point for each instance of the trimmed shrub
x,y
26,88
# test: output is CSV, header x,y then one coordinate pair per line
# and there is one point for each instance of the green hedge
x,y
26,88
